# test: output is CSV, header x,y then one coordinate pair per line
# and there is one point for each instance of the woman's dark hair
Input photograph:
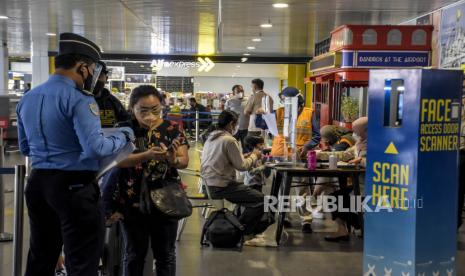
x,y
68,61
250,142
143,91
226,117
259,83
234,87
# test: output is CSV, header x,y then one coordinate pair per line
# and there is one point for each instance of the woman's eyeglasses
x,y
148,110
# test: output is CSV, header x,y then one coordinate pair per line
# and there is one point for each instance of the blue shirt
x,y
59,128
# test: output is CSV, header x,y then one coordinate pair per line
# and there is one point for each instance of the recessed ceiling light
x,y
51,34
244,59
266,25
246,54
256,39
3,17
250,47
280,5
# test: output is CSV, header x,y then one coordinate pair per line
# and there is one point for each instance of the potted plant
x,y
349,109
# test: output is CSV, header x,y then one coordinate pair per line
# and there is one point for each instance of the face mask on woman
x,y
356,137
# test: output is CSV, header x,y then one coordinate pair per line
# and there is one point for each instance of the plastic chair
x,y
199,200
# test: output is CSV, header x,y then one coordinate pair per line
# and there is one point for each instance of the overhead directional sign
x,y
206,64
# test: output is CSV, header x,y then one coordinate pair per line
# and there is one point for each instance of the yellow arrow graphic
x,y
203,64
211,64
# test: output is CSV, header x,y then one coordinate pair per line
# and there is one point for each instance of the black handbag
x,y
171,200
260,122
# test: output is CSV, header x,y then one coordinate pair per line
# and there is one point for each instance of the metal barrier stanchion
x,y
197,125
4,237
20,173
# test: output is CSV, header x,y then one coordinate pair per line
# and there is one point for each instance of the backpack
x,y
223,230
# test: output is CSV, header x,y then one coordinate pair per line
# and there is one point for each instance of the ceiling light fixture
x,y
250,48
3,17
244,59
267,25
246,54
280,5
51,34
256,39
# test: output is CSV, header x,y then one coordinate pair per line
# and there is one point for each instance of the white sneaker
x,y
318,215
257,241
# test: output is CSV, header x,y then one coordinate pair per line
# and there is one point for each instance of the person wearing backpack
x,y
222,156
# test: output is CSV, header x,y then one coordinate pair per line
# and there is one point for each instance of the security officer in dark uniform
x,y
111,109
59,129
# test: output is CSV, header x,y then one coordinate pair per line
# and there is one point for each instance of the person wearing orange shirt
x,y
308,137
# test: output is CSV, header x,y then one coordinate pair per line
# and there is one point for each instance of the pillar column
x,y
39,44
3,66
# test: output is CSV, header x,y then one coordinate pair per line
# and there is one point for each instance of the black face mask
x,y
87,81
98,87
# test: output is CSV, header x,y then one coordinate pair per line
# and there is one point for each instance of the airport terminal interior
x,y
232,137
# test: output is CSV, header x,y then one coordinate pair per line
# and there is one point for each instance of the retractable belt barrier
x,y
20,177
20,173
4,237
197,119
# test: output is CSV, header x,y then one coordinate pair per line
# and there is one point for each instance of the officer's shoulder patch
x,y
94,109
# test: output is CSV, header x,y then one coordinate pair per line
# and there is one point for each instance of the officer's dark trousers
x,y
64,208
138,228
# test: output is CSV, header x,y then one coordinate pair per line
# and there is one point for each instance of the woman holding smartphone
x,y
161,150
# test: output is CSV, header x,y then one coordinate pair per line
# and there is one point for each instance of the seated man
x,y
221,157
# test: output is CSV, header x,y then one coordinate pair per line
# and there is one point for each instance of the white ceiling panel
x,y
189,27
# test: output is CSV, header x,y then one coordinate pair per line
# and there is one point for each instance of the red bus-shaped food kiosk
x,y
339,72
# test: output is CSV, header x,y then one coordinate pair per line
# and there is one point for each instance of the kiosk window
x,y
393,102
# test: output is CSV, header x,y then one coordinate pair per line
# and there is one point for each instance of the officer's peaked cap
x,y
75,44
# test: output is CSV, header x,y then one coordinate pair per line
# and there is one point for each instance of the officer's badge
x,y
94,109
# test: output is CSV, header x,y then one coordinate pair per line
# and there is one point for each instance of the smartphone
x,y
179,138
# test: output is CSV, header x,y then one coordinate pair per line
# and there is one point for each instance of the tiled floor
x,y
300,254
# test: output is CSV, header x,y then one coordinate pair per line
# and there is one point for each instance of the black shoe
x,y
287,224
337,239
307,228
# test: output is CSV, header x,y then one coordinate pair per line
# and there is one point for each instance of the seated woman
x,y
354,155
162,149
222,156
354,152
333,138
